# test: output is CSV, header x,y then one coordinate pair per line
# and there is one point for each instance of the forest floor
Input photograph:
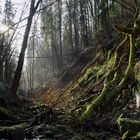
x,y
43,122
98,104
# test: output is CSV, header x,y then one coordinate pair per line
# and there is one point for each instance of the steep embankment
x,y
104,90
77,66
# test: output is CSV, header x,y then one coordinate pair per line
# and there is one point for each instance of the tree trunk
x,y
76,27
18,72
70,25
60,34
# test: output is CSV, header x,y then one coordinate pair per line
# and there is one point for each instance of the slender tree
x,y
33,7
76,27
60,34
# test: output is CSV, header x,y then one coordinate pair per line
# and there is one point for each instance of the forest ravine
x,y
75,74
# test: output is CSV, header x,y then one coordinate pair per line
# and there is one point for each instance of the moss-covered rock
x,y
15,132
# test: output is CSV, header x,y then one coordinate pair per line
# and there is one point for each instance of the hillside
x,y
103,94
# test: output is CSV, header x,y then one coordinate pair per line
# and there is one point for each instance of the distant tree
x,y
60,34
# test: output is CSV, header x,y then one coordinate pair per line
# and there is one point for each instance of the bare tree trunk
x,y
122,9
70,26
76,27
95,15
60,33
18,72
52,43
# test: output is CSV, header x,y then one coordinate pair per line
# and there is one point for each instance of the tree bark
x,y
18,71
60,34
76,28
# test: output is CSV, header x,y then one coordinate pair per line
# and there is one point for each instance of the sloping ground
x,y
62,97
92,75
73,69
104,90
77,66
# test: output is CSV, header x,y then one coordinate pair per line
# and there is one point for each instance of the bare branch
x,y
38,3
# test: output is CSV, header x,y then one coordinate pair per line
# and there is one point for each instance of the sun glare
x,y
3,28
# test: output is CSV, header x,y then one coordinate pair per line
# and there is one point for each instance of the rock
x,y
15,132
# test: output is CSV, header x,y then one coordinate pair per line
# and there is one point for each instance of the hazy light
x,y
3,28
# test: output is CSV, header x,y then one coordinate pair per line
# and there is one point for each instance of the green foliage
x,y
128,135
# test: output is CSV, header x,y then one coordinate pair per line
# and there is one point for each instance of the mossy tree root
x,y
106,95
129,128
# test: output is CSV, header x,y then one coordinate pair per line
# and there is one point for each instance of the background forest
x,y
60,31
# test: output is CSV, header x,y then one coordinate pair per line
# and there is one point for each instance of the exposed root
x,y
106,96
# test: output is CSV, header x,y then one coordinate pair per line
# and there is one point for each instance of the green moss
x,y
128,134
131,135
93,73
111,61
106,96
78,111
87,113
90,73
